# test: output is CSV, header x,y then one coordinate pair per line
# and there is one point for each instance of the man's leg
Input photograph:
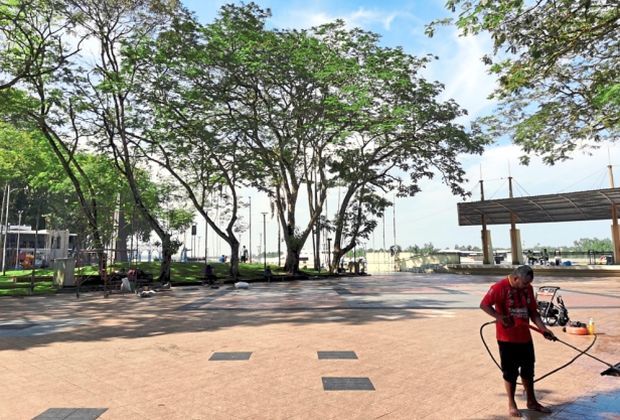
x,y
527,378
511,387
510,371
532,402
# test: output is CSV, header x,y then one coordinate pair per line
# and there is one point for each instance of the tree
x,y
558,68
277,102
31,39
592,244
183,133
27,161
106,91
401,133
35,106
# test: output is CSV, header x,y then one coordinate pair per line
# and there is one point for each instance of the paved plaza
x,y
401,346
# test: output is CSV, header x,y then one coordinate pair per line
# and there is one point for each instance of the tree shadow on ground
x,y
93,318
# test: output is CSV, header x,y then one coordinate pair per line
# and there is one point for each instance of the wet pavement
x,y
415,338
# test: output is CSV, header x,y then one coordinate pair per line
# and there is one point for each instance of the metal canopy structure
x,y
563,207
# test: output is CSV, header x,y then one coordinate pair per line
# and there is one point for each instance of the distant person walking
x,y
512,303
244,255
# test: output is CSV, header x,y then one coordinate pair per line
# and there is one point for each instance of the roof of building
x,y
561,207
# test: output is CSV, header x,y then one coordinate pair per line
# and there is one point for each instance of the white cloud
x,y
462,71
432,216
362,17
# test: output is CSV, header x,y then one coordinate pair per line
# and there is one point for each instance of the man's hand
x,y
549,335
507,321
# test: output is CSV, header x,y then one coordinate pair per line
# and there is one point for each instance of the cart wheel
x,y
563,320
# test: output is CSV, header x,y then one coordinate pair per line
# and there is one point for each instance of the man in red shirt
x,y
512,303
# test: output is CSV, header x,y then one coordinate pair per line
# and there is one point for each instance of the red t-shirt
x,y
519,303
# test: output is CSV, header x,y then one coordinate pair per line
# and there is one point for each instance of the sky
x,y
431,216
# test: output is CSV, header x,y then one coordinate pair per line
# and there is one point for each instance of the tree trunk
x,y
166,260
234,258
292,261
335,257
121,240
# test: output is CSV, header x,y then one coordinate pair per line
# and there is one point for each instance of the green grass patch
x,y
21,287
180,272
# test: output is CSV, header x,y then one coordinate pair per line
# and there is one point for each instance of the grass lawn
x,y
180,272
10,288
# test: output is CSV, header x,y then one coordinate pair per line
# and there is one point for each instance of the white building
x,y
50,244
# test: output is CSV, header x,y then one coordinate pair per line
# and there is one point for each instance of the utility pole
x,y
250,217
6,228
264,213
4,194
279,262
394,219
19,222
206,242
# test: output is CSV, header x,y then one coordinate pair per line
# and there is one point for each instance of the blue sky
x,y
431,216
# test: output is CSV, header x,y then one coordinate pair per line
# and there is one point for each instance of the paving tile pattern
x,y
71,414
231,355
337,355
347,384
416,337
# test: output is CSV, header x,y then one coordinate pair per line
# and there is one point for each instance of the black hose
x,y
581,353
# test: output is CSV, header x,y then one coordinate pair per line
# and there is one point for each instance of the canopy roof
x,y
564,207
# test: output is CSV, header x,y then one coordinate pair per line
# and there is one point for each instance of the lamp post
x,y
279,262
206,242
250,218
19,222
5,210
9,190
264,213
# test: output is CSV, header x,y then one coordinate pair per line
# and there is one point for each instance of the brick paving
x,y
415,337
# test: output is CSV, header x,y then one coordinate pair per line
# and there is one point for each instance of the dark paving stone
x,y
198,304
16,326
347,384
324,355
342,290
71,414
232,355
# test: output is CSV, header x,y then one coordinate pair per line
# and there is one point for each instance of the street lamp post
x,y
9,190
264,239
19,222
206,242
250,218
6,225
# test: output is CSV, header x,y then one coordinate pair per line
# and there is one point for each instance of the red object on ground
x,y
577,330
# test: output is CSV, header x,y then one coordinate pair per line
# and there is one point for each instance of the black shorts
x,y
517,358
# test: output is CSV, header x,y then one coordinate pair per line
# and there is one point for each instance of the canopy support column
x,y
615,234
487,250
515,236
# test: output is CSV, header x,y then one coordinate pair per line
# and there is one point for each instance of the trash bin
x,y
498,259
609,259
63,272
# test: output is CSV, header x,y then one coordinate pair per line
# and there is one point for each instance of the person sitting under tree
x,y
209,275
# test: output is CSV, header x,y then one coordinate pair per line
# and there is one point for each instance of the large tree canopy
x,y
558,64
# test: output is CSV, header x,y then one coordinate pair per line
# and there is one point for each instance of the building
x,y
49,245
